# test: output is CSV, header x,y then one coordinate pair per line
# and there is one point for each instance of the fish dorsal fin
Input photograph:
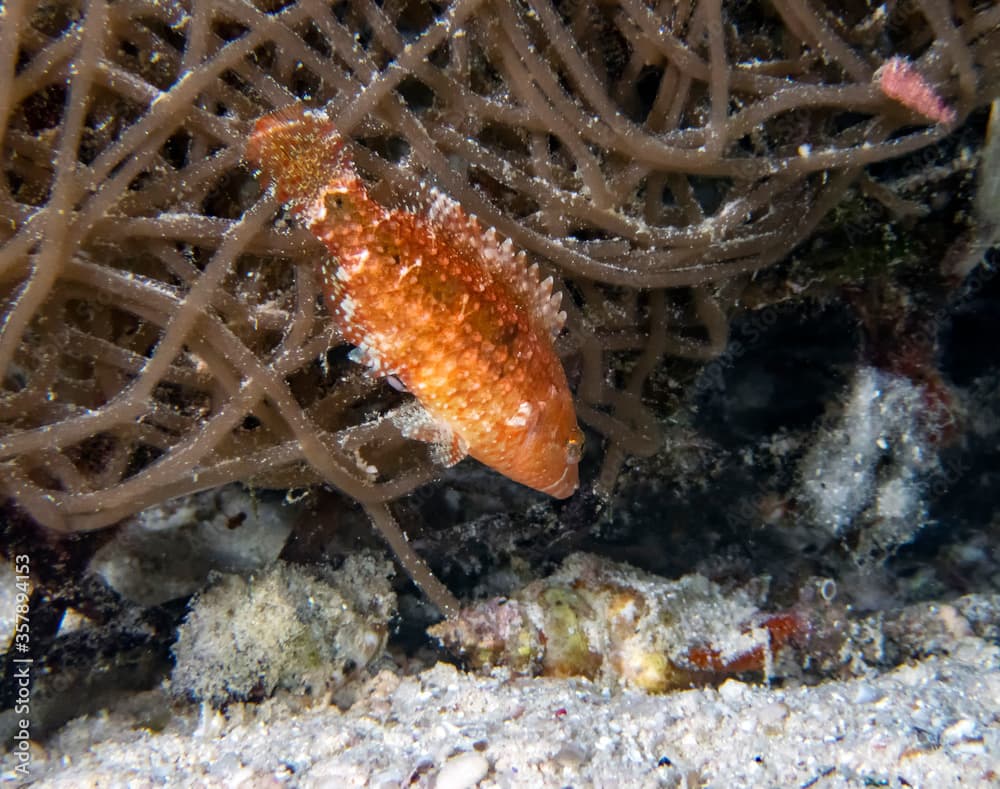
x,y
448,217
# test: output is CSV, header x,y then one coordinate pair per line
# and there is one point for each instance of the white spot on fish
x,y
520,418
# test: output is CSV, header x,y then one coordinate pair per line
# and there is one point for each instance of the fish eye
x,y
574,446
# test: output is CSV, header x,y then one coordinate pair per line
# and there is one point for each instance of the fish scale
x,y
451,312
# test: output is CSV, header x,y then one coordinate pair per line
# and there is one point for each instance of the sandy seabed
x,y
930,724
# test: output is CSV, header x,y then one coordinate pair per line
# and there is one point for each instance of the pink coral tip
x,y
900,81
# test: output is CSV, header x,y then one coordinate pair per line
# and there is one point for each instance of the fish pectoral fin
x,y
450,451
447,447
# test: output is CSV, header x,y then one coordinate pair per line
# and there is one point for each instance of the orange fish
x,y
430,298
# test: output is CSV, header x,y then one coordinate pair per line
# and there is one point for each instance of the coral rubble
x,y
291,627
598,619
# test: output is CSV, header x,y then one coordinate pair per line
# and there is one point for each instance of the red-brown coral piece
x,y
781,628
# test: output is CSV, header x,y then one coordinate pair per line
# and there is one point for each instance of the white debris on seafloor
x,y
168,551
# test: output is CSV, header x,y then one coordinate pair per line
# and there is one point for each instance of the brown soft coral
x,y
160,329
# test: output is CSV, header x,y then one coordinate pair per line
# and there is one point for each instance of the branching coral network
x,y
161,330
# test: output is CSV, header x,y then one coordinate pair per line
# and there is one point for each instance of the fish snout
x,y
567,484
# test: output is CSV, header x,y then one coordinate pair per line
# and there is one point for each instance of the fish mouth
x,y
566,485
